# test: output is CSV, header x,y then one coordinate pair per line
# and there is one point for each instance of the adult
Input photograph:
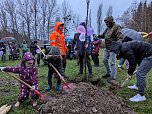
x,y
135,52
111,33
57,39
24,47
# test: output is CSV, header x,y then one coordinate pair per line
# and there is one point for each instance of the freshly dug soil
x,y
87,99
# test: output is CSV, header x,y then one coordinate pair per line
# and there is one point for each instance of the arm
x,y
119,34
129,55
12,69
53,38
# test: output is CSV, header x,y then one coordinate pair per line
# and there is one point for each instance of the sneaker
x,y
133,87
106,76
34,103
58,88
48,88
137,98
17,104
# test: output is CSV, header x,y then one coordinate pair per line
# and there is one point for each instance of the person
x,y
9,50
27,72
54,58
84,48
95,52
14,51
136,52
57,39
24,47
33,47
111,33
3,48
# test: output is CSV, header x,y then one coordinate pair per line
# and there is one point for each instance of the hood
x,y
54,50
114,46
28,56
56,27
83,24
109,19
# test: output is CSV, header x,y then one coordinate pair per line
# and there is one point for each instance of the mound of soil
x,y
87,99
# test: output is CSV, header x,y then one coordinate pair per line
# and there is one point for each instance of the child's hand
x,y
2,68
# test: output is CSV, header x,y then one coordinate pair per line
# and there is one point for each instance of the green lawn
x,y
9,92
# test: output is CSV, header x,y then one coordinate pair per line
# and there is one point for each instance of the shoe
x,y
34,103
133,87
17,104
58,88
114,83
137,98
106,76
48,88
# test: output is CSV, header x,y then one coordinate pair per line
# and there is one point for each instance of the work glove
x,y
2,68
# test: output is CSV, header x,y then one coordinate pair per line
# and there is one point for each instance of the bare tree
x,y
99,18
26,14
3,20
90,19
109,11
10,8
66,15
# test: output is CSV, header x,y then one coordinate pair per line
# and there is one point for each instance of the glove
x,y
2,68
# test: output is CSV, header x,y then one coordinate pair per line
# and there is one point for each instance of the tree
x,y
99,18
109,11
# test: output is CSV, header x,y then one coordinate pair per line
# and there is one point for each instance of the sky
x,y
119,6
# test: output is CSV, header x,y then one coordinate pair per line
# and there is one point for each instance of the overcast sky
x,y
119,6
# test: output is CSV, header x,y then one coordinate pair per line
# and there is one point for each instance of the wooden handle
x,y
36,91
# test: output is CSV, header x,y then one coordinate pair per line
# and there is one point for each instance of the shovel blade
x,y
68,87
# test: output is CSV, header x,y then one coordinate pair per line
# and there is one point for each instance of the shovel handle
x,y
36,91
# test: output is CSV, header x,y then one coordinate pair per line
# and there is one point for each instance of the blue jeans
x,y
109,60
121,62
143,69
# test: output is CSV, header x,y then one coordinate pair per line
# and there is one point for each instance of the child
x,y
95,52
54,58
27,72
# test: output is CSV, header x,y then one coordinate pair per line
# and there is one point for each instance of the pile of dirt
x,y
87,99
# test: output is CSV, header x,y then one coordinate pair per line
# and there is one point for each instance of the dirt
x,y
87,99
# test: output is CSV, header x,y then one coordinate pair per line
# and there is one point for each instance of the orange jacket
x,y
57,39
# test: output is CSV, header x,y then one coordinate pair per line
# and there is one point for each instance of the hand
x,y
129,76
33,87
2,68
86,45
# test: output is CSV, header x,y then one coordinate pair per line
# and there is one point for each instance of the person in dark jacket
x,y
83,47
95,52
135,52
54,58
111,33
33,48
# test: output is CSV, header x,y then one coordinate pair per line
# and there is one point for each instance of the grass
x,y
9,94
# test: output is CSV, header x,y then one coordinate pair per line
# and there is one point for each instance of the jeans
x,y
143,69
109,60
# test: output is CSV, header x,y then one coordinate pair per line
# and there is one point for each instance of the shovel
x,y
66,87
126,80
43,97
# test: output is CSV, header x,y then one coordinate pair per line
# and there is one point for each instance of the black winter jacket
x,y
133,51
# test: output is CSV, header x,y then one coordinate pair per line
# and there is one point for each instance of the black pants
x,y
95,60
50,73
82,62
64,61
